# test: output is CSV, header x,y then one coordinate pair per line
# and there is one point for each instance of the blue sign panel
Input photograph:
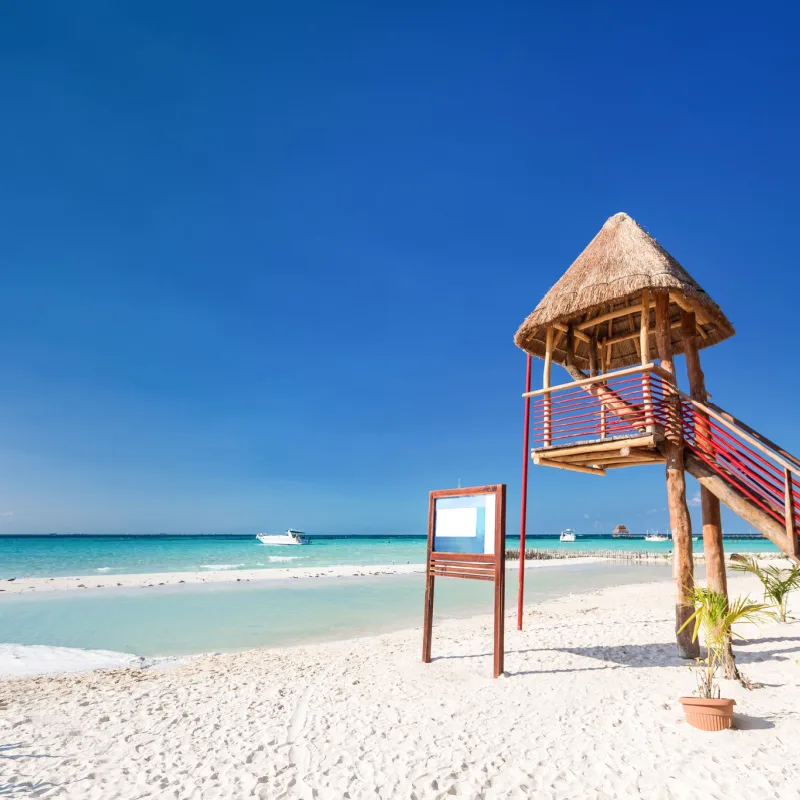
x,y
464,524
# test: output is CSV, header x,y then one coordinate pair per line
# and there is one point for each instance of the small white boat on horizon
x,y
656,537
290,537
567,535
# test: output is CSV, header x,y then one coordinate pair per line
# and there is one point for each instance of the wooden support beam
x,y
644,354
654,458
593,358
611,315
546,462
684,304
603,455
563,327
791,528
603,459
713,546
679,518
626,337
603,412
633,464
569,358
644,328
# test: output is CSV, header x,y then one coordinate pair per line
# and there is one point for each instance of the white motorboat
x,y
656,537
290,537
567,535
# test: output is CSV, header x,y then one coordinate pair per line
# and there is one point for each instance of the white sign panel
x,y
456,522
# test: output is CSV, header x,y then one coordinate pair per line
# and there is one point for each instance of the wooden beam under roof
x,y
564,328
610,315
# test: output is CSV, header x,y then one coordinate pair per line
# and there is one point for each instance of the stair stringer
x,y
737,502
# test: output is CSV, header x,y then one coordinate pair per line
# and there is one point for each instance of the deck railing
x,y
623,403
645,400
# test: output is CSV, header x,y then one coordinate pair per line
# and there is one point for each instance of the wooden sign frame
x,y
473,566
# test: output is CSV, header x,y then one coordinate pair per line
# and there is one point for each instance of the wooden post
x,y
500,582
593,372
712,519
593,358
679,519
570,346
644,352
791,528
603,417
427,618
548,362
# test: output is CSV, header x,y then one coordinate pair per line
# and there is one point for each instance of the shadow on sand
x,y
24,788
744,722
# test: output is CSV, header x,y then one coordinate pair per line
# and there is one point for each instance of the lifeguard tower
x,y
615,321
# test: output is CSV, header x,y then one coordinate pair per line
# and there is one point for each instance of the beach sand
x,y
588,710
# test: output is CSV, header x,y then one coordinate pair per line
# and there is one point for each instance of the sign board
x,y
467,539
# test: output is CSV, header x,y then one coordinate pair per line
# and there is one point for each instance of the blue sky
x,y
262,264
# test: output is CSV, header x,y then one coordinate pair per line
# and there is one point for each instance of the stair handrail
x,y
743,432
768,442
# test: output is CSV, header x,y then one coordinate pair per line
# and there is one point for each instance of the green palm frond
x,y
716,616
778,583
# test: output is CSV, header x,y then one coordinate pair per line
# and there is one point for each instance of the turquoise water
x,y
48,556
178,620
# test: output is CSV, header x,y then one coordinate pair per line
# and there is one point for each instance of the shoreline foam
x,y
147,580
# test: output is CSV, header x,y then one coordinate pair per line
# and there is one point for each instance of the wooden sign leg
x,y
499,624
500,582
427,623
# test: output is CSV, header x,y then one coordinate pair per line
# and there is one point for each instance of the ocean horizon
x,y
63,555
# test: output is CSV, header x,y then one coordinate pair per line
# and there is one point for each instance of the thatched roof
x,y
620,262
620,529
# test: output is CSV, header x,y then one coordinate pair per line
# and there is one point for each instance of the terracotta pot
x,y
708,715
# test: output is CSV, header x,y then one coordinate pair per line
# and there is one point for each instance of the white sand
x,y
589,710
147,580
22,661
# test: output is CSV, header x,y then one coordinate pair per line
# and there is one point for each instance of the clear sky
x,y
262,263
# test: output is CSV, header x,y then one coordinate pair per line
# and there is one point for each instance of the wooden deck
x,y
597,455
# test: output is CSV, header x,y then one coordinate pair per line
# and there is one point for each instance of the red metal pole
x,y
524,509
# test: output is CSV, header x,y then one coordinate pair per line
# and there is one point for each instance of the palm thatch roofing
x,y
610,275
620,529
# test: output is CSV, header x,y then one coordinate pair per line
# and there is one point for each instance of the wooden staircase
x,y
751,475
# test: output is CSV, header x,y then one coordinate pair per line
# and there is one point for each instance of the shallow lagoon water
x,y
178,620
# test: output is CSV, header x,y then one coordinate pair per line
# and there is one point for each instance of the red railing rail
x,y
624,403
758,469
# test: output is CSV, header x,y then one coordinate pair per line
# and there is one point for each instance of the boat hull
x,y
280,541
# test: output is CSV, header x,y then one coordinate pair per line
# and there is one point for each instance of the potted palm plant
x,y
715,615
778,583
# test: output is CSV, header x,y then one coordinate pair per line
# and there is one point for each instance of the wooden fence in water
x,y
534,554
